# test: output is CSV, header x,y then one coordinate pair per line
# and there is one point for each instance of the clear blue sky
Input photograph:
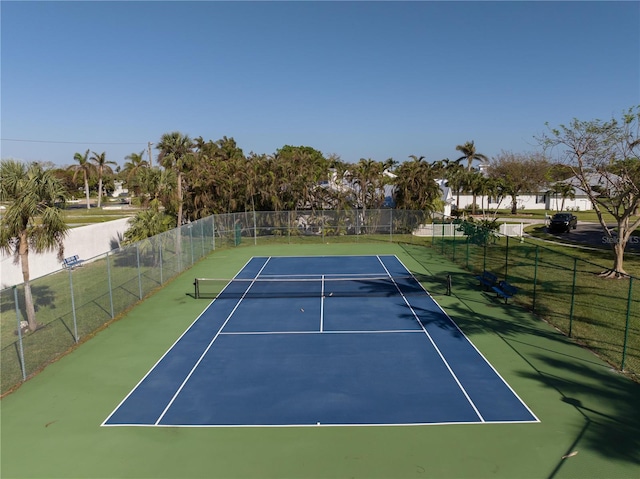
x,y
358,79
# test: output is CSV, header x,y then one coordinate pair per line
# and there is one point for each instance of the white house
x,y
541,200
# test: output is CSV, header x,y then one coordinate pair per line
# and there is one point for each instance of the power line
x,y
75,142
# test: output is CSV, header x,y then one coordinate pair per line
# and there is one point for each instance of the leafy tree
x,y
218,178
33,220
368,178
101,167
520,173
301,169
416,187
469,153
148,223
481,232
176,154
605,158
86,169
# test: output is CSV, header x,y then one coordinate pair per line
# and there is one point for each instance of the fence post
x,y
204,251
139,272
190,228
213,232
178,249
255,229
626,327
453,253
160,256
573,295
467,254
73,307
20,347
391,225
109,283
484,257
506,261
535,280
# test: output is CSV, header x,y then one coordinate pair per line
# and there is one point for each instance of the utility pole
x,y
150,157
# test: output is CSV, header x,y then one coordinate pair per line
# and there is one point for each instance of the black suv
x,y
563,223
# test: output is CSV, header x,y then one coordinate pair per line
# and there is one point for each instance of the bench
x,y
71,262
505,290
487,280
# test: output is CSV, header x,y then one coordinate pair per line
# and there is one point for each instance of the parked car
x,y
563,223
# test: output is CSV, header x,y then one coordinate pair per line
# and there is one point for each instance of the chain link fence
x,y
72,304
566,291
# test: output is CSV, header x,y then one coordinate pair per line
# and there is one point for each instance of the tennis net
x,y
300,287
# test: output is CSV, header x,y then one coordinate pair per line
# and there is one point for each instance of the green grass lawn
x,y
81,216
603,314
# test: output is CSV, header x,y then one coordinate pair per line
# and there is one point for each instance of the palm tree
x,y
32,221
454,173
176,153
85,167
416,187
148,223
476,184
469,153
565,190
102,166
132,169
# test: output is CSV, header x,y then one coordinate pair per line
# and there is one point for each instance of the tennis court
x,y
320,341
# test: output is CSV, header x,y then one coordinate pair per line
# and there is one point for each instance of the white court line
x,y
208,347
322,305
357,424
167,352
474,347
346,331
415,315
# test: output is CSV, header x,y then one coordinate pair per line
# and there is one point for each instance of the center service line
x,y
322,305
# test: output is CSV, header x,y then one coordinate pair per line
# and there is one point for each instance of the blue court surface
x,y
328,340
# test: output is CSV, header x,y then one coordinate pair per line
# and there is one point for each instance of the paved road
x,y
591,234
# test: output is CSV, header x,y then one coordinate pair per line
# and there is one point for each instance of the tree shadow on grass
x,y
607,401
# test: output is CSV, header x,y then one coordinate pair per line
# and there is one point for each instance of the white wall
x,y
525,202
86,241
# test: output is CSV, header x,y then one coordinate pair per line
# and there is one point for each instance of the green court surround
x,y
50,426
